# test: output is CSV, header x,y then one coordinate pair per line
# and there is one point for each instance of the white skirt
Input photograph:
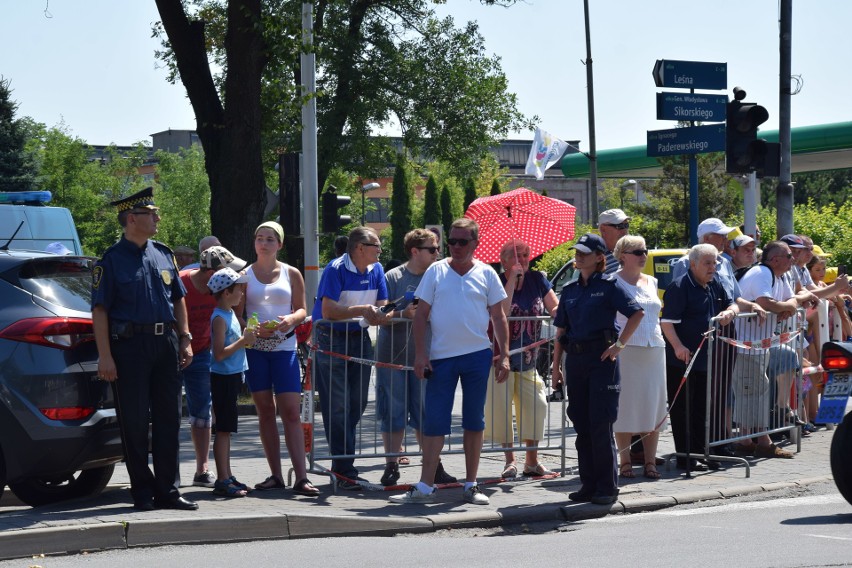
x,y
642,404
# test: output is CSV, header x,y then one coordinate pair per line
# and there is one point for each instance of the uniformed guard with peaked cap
x,y
143,339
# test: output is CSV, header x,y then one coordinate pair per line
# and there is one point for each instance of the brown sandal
x,y
651,471
626,471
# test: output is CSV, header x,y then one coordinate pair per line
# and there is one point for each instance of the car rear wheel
x,y
841,457
38,491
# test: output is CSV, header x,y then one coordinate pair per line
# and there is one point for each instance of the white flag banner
x,y
546,150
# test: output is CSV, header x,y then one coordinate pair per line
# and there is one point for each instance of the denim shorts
x,y
196,384
399,395
273,370
472,369
782,359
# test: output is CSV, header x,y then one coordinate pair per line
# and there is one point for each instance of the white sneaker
x,y
413,495
474,496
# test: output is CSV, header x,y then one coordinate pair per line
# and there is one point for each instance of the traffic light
x,y
745,153
332,220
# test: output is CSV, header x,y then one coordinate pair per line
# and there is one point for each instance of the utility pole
x,y
593,154
784,191
310,180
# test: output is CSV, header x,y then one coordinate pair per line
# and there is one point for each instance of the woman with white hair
x,y
529,294
642,404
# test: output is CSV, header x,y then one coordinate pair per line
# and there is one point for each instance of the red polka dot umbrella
x,y
539,221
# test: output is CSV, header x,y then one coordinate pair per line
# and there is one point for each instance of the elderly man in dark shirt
x,y
688,306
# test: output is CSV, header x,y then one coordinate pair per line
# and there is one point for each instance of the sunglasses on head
x,y
637,252
459,242
620,226
432,250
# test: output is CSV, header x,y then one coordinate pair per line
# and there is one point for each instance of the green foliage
x,y
469,192
552,260
820,188
83,185
431,203
379,62
401,198
183,197
664,219
447,216
17,171
495,187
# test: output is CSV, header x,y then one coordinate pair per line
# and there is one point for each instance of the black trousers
x,y
149,385
697,402
593,388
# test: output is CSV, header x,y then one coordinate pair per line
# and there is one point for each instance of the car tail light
x,y
62,333
835,359
68,412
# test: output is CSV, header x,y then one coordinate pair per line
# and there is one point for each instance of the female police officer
x,y
585,332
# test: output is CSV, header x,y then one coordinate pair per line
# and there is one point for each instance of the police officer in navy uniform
x,y
143,340
585,332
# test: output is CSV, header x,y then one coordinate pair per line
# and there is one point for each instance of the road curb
x,y
61,540
153,532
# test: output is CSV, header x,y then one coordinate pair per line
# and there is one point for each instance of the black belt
x,y
158,328
594,346
126,330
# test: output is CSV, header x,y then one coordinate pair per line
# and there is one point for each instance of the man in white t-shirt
x,y
764,284
457,296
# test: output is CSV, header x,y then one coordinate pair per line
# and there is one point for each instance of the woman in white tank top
x,y
276,293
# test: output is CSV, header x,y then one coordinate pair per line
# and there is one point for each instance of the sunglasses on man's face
x,y
620,226
459,242
432,250
637,252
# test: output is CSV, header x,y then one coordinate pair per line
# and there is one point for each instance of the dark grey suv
x,y
59,436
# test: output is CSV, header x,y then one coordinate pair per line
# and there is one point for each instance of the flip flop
x,y
270,482
306,488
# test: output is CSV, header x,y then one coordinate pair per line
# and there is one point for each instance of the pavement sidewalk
x,y
109,522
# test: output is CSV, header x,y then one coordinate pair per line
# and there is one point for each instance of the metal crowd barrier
x,y
360,365
754,368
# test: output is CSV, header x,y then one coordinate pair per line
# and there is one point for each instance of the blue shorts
x,y
273,370
473,370
399,394
196,385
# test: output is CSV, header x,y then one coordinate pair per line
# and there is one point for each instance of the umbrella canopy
x,y
541,222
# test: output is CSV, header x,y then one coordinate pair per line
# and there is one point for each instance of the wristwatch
x,y
187,335
619,344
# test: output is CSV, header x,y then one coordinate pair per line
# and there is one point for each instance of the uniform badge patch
x,y
97,275
167,277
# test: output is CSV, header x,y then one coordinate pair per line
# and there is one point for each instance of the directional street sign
x,y
689,140
691,74
690,106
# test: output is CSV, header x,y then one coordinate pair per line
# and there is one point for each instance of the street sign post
x,y
690,106
691,74
687,140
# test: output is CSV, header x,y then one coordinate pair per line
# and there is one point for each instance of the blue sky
x,y
92,66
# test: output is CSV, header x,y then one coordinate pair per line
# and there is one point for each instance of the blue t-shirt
x,y
689,306
528,301
587,311
237,362
342,283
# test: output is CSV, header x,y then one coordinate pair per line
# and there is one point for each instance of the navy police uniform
x,y
138,286
587,314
